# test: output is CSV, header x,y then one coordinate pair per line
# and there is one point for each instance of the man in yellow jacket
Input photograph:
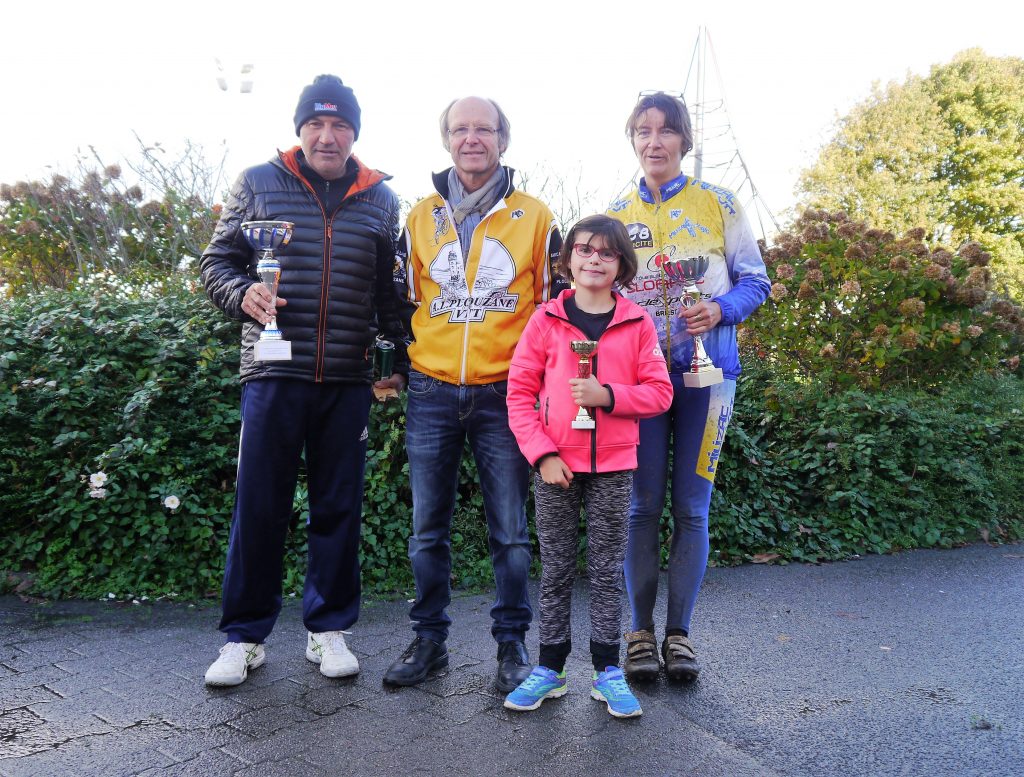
x,y
475,260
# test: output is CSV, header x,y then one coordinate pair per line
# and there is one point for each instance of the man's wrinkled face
x,y
327,143
473,138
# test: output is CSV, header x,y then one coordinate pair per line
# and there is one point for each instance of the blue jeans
x,y
439,419
695,427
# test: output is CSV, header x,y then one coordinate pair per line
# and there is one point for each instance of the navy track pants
x,y
282,420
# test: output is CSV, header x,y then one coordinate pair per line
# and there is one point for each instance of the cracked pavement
x,y
911,664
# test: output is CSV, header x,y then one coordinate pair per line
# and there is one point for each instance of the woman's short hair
x,y
677,117
615,237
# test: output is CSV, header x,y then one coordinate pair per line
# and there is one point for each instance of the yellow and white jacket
x,y
693,218
468,314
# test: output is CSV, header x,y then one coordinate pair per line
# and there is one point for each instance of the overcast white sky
x,y
566,73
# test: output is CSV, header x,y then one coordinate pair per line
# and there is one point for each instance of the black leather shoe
x,y
422,657
513,665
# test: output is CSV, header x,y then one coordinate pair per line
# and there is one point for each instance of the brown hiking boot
x,y
641,656
680,659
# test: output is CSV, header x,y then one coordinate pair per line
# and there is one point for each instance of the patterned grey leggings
x,y
605,498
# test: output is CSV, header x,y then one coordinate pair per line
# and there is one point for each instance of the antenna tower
x,y
716,156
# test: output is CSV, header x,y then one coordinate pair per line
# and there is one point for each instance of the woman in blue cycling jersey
x,y
671,216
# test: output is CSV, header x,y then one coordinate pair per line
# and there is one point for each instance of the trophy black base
x,y
272,351
703,379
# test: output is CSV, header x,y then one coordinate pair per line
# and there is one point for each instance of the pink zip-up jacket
x,y
628,360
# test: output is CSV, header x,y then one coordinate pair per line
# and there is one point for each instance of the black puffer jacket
x,y
335,273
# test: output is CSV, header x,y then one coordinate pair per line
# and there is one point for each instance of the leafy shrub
x,y
116,398
140,384
809,473
853,306
118,439
56,233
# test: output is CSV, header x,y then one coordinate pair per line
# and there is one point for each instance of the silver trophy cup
x,y
584,349
690,271
265,236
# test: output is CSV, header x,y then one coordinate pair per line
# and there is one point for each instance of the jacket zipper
x,y
465,274
325,278
593,368
663,277
325,275
485,222
593,410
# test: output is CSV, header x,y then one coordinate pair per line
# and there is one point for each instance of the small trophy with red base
x,y
584,349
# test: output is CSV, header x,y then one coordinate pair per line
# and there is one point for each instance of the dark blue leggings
x,y
695,426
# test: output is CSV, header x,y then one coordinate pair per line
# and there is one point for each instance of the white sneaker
x,y
234,663
328,649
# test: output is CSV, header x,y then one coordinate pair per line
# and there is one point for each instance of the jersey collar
x,y
668,190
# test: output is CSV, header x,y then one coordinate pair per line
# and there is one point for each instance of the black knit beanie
x,y
327,96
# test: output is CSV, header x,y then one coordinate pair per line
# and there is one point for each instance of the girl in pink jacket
x,y
585,457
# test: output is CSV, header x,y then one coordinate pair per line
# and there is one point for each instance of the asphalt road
x,y
897,665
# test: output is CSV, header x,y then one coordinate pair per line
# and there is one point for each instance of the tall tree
x,y
944,151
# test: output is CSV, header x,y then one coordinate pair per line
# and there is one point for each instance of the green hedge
x,y
810,474
144,391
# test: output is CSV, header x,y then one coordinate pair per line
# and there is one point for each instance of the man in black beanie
x,y
335,295
327,96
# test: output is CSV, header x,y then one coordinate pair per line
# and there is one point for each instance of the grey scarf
x,y
468,210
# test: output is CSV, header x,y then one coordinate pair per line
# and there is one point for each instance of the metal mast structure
x,y
716,156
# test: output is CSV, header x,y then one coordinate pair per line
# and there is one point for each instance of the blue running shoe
x,y
611,688
542,683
